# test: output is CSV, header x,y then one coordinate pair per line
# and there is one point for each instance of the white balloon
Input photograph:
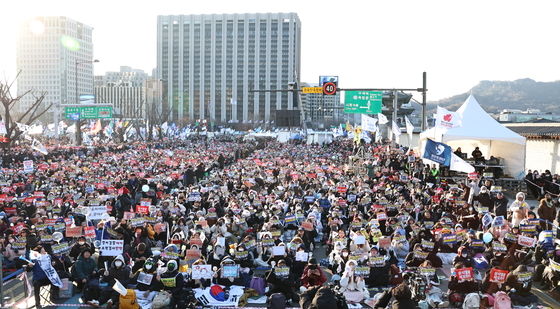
x,y
145,188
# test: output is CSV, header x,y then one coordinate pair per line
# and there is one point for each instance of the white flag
x,y
39,147
369,123
382,118
458,164
396,130
3,128
447,119
377,135
409,126
365,136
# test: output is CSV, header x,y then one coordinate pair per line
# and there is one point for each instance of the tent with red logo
x,y
479,129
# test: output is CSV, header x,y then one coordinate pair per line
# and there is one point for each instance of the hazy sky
x,y
367,43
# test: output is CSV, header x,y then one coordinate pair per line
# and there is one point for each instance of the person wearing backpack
x,y
502,300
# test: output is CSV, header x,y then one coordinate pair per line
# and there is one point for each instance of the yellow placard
x,y
312,90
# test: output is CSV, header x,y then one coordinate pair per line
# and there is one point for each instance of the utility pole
x,y
424,120
394,116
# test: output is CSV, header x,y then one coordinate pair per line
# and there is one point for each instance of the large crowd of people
x,y
221,222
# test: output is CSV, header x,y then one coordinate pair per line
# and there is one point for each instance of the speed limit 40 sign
x,y
329,88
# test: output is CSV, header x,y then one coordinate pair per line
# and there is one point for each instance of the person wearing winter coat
x,y
118,270
312,275
379,273
282,282
519,209
173,282
546,211
79,247
402,295
40,278
519,283
461,288
353,285
84,268
500,205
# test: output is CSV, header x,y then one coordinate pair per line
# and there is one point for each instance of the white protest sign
x,y
119,288
202,272
302,256
360,240
97,212
145,278
278,250
111,247
28,166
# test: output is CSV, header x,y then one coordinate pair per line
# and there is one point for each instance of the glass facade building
x,y
209,63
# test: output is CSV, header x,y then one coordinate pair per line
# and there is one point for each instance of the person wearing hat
x,y
79,247
312,276
173,282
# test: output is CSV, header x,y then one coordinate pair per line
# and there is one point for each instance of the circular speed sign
x,y
329,88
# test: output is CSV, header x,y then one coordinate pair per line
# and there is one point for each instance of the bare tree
x,y
8,101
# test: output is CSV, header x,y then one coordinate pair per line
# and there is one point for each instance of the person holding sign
x,y
353,285
458,289
519,283
40,277
379,268
118,270
282,280
173,282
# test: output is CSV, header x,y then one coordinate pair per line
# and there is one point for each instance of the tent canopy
x,y
479,129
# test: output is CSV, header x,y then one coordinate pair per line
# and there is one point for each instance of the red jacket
x,y
308,279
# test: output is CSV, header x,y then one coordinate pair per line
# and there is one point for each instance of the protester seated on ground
x,y
281,280
379,268
84,268
79,247
352,285
460,288
118,271
464,257
312,275
519,283
402,298
173,282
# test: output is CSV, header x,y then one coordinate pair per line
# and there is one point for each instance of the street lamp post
x,y
78,122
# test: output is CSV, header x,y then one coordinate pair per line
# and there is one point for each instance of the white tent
x,y
481,130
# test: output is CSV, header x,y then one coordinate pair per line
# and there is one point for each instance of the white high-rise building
x,y
48,49
209,63
125,89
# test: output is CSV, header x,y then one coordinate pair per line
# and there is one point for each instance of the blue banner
x,y
437,152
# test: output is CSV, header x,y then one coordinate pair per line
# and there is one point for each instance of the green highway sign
x,y
363,102
88,112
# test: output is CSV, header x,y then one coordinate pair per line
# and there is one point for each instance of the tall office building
x,y
209,64
125,89
48,49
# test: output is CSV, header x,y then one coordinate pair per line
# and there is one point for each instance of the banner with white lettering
x,y
45,263
111,247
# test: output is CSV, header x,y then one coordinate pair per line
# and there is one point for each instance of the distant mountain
x,y
494,96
